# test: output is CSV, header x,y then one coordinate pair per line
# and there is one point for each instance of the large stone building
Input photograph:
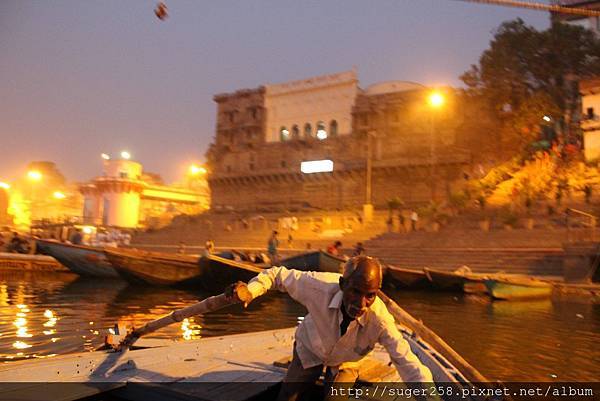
x,y
384,141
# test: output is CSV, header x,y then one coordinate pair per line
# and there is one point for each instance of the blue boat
x,y
80,259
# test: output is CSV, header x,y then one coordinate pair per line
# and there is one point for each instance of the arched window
x,y
321,131
307,130
333,127
284,134
295,132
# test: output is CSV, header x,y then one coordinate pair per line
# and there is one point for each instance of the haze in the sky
x,y
79,78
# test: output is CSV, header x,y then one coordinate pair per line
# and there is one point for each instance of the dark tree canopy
x,y
527,74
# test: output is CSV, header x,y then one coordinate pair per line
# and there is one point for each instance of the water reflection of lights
x,y
20,323
48,314
190,329
21,345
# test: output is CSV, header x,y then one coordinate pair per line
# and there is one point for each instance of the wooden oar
x,y
429,336
123,343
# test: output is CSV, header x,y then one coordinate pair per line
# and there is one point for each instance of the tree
x,y
527,74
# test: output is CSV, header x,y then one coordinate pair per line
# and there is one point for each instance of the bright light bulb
x,y
322,134
59,195
436,99
125,155
105,156
4,185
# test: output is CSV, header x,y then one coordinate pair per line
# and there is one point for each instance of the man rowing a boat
x,y
345,319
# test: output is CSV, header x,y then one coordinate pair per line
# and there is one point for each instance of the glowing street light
x,y
436,99
4,185
58,195
197,170
125,155
34,175
547,119
105,156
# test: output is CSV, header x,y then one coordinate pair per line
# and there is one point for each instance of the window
x,y
321,131
251,166
590,112
122,174
283,163
333,127
295,132
284,134
307,130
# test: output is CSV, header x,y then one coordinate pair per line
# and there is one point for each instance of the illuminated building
x,y
590,123
264,135
126,197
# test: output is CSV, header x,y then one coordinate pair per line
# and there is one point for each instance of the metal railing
x,y
581,226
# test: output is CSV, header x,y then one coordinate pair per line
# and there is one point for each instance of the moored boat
x,y
26,262
211,273
80,259
462,280
315,261
517,288
218,272
140,267
400,277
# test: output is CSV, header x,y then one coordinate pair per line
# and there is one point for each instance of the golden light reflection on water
x,y
21,345
20,323
190,329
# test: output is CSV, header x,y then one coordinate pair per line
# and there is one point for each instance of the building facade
x,y
383,142
125,197
590,123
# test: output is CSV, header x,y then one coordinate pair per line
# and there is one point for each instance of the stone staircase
x,y
518,251
229,231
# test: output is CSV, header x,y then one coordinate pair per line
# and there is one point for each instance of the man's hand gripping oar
x,y
123,339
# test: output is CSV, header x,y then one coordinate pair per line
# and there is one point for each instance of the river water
x,y
48,314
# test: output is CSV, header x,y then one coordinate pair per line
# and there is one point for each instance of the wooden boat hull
x,y
154,268
315,261
455,281
518,289
218,272
20,262
242,366
405,278
212,273
83,260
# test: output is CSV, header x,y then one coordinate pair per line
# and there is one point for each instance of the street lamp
x,y
125,155
34,175
436,100
197,170
368,206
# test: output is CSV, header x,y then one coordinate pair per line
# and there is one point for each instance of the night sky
x,y
78,78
